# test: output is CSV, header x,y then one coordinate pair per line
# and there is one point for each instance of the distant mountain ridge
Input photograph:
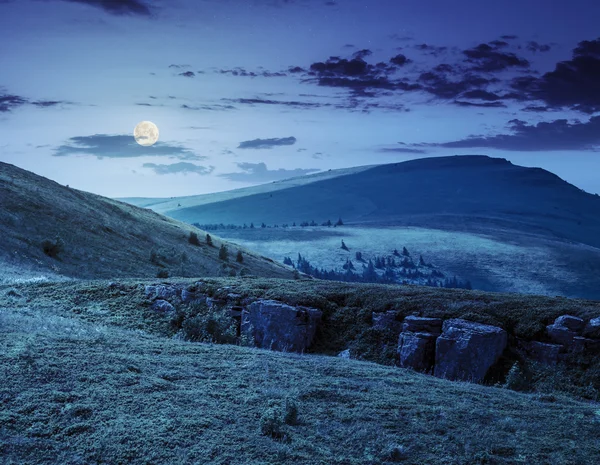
x,y
103,238
454,192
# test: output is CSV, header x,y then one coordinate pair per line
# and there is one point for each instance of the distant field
x,y
502,262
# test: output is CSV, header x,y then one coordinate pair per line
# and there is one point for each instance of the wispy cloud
x,y
181,167
258,172
118,7
121,146
266,143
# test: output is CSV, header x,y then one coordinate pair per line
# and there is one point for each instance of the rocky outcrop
x,y
193,295
572,323
162,291
278,326
466,350
544,352
592,329
416,343
162,306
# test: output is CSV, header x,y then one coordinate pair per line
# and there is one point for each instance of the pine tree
x,y
239,257
223,254
405,252
193,238
344,245
209,240
339,222
421,261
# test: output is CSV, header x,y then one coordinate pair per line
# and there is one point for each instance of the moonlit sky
x,y
250,91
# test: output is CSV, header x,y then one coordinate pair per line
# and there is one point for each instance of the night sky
x,y
251,91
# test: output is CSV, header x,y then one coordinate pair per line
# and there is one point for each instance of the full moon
x,y
146,133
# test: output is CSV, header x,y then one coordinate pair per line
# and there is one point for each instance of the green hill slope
x,y
102,238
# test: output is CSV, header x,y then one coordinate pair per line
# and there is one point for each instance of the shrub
x,y
209,240
239,257
162,274
53,248
193,239
271,423
291,412
216,326
515,379
223,254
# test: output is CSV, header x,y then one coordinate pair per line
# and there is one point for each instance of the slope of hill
x,y
165,205
102,238
98,382
460,192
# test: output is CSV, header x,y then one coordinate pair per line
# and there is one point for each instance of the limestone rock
x,y
162,291
582,344
162,306
572,323
466,350
192,295
278,326
214,304
560,334
592,329
543,352
418,324
416,351
344,354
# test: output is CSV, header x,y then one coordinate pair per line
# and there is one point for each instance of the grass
x,y
47,228
74,392
347,311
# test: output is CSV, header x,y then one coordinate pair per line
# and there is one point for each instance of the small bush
x,y
53,248
162,274
209,240
223,253
291,412
239,257
193,238
216,326
271,423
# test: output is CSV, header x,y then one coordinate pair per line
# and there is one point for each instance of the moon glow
x,y
146,133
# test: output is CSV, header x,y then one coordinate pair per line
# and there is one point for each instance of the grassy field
x,y
493,260
77,392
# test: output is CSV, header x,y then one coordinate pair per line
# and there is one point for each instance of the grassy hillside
x,y
460,192
78,390
347,310
102,238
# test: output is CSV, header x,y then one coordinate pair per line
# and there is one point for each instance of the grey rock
x,y
582,344
417,351
278,326
570,322
214,304
544,353
466,350
162,291
560,335
162,306
344,354
592,329
192,295
418,324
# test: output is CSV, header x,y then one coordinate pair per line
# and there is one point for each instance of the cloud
x,y
189,74
121,146
574,83
181,167
9,102
433,50
213,107
400,150
533,46
292,103
118,7
486,57
509,37
258,172
400,60
558,135
438,84
266,143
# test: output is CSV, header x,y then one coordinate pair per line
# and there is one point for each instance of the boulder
x,y
592,329
416,351
162,306
344,354
418,324
214,304
387,321
192,295
278,326
544,353
561,334
466,350
162,291
582,344
572,323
